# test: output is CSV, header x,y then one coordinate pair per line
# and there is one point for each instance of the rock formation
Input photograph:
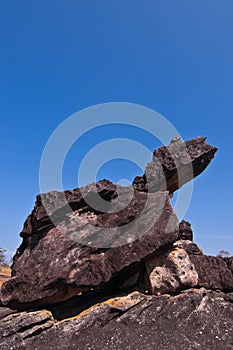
x,y
174,165
196,319
110,267
51,266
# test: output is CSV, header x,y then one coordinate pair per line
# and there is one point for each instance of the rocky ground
x,y
193,319
107,267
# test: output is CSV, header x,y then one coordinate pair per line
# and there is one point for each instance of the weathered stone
x,y
214,272
4,311
170,272
174,165
196,319
16,329
185,231
52,207
188,246
56,263
82,248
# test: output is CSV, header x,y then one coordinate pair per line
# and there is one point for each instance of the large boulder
x,y
56,263
113,269
102,234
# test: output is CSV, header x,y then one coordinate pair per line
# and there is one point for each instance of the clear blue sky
x,y
58,57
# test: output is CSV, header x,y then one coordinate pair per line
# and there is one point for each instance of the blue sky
x,y
58,57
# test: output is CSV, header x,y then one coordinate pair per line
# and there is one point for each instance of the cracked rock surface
x,y
53,267
194,319
109,267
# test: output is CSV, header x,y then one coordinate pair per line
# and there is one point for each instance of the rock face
x,y
17,328
184,266
51,266
214,272
174,165
80,239
196,319
110,267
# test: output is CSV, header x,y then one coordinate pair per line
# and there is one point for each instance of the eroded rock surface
x,y
214,272
196,319
170,272
52,265
185,231
109,267
77,240
174,165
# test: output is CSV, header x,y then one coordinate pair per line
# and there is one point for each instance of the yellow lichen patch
x,y
83,313
44,313
122,303
187,291
126,301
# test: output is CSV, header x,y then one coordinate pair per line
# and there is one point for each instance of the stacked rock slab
x,y
109,267
79,240
52,266
174,165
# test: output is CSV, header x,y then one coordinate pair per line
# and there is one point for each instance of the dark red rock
x,y
174,165
77,240
188,246
77,250
55,263
214,272
185,231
